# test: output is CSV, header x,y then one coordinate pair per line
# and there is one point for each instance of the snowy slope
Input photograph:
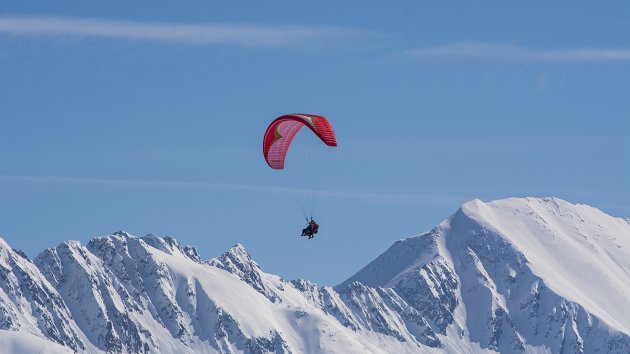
x,y
31,305
581,253
518,274
22,342
514,275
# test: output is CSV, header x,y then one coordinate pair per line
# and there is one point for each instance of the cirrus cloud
x,y
514,52
368,196
243,35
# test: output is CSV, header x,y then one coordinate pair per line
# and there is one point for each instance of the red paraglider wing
x,y
281,131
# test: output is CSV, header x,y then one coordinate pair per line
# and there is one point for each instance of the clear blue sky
x,y
148,116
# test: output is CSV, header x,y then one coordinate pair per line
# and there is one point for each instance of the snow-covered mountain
x,y
514,275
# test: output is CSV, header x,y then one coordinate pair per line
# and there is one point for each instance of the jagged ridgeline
x,y
509,276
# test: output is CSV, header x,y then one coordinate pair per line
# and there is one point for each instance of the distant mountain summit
x,y
510,276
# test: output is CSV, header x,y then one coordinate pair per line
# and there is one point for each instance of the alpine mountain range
x,y
518,275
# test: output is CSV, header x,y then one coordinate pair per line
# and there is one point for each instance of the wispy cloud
x,y
243,35
514,52
396,198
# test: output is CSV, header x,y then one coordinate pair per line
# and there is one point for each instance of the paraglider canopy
x,y
282,130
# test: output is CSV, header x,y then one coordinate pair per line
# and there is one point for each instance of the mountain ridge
x,y
477,282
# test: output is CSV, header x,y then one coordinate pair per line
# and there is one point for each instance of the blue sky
x,y
149,117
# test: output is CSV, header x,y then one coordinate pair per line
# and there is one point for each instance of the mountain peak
x,y
4,246
236,257
6,251
514,202
238,245
238,252
525,203
580,252
237,261
514,261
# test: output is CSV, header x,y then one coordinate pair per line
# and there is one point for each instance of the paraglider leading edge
x,y
282,130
